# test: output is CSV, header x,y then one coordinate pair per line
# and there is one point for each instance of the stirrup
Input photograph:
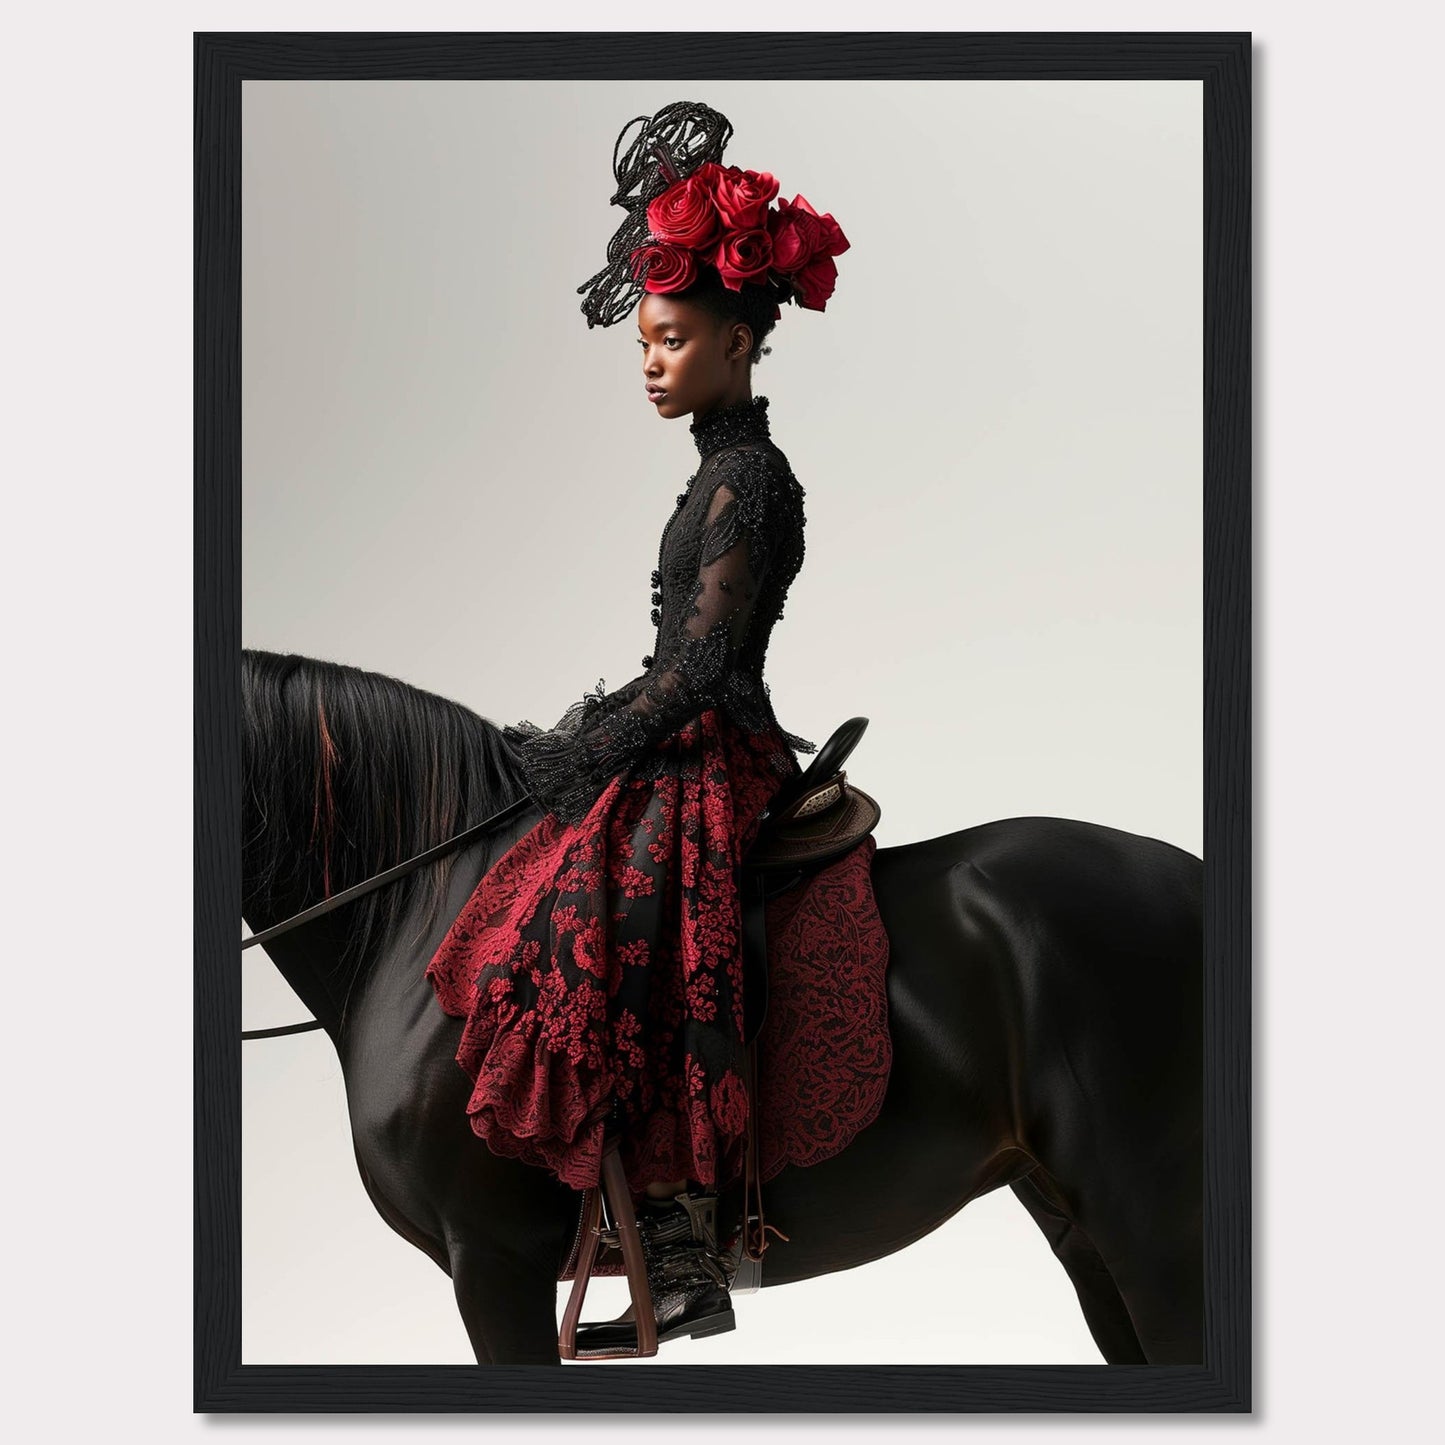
x,y
679,1244
743,1263
619,1203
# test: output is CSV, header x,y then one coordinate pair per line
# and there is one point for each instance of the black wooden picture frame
x,y
1221,61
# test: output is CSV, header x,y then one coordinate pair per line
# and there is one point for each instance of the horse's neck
x,y
310,959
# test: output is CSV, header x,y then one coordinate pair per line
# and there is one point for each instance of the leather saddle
x,y
810,821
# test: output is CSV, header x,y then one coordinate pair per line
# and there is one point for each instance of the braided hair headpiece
x,y
686,210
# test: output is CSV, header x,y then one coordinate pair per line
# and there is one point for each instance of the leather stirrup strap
x,y
755,1236
619,1196
591,1221
619,1201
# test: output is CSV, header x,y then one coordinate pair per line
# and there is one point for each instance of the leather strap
x,y
755,953
612,1182
348,895
754,1242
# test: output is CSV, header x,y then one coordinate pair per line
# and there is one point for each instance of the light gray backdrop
x,y
450,479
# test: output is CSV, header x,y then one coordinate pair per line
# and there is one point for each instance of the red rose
x,y
834,241
709,173
668,268
797,236
741,197
814,283
801,236
742,256
684,214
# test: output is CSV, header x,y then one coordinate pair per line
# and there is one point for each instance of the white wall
x,y
449,478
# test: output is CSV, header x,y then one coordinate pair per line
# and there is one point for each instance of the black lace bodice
x,y
728,555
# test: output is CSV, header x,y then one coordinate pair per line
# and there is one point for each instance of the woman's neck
x,y
725,425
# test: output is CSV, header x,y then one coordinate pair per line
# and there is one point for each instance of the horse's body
x,y
1045,999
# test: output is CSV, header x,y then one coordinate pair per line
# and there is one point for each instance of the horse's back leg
x,y
1114,1113
1104,1309
1154,1248
1141,1213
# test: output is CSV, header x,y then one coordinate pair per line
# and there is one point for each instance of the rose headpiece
x,y
687,210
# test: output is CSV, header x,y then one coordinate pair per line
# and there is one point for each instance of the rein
x,y
347,895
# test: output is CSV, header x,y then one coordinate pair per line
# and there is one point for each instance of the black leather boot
x,y
686,1273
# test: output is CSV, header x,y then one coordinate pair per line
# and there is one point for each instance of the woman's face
x,y
692,361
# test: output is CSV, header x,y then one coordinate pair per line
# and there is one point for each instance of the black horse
x,y
1045,997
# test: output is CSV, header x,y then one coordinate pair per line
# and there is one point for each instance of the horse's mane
x,y
347,772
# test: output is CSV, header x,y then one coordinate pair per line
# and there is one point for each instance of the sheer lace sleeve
x,y
568,767
683,683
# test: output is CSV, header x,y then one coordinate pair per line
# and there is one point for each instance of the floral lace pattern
x,y
824,1053
598,967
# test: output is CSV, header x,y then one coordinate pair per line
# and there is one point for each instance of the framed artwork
x,y
1009,1169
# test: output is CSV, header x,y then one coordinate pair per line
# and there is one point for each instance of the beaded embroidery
x,y
727,557
744,421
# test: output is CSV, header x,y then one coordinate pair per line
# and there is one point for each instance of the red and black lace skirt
x,y
598,967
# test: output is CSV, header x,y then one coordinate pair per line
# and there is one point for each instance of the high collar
x,y
744,421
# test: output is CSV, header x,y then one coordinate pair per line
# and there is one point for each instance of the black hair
x,y
345,773
754,304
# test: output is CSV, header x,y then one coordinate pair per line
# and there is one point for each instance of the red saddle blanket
x,y
824,1050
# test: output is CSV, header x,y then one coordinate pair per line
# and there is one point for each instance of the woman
x,y
598,964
